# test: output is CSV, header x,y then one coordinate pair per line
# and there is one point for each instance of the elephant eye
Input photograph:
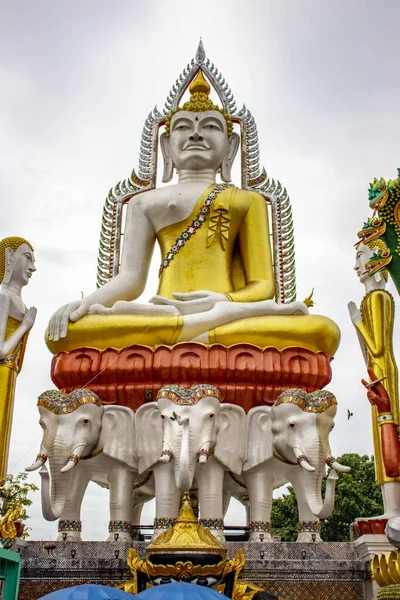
x,y
86,420
163,416
211,416
292,425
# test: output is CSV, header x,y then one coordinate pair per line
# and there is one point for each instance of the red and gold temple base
x,y
370,526
245,375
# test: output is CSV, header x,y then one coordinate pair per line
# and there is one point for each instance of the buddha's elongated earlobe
x,y
227,162
168,162
8,271
378,277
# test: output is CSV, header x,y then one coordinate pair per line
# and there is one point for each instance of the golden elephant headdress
x,y
61,404
316,402
183,396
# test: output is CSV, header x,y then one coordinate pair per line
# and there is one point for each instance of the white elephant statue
x,y
289,442
86,441
187,436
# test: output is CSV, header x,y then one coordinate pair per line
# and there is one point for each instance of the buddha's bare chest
x,y
169,205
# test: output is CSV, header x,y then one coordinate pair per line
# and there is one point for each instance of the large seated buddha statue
x,y
220,285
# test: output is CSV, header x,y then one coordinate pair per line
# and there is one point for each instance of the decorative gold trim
x,y
315,402
199,102
186,535
183,396
385,568
92,455
143,482
236,480
61,404
284,460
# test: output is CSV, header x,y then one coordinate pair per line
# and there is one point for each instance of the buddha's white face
x,y
198,141
363,255
22,265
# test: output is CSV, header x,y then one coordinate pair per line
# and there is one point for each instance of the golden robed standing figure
x,y
216,276
17,263
374,322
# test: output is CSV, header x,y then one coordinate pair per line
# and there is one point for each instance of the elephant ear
x,y
149,436
229,449
259,442
117,436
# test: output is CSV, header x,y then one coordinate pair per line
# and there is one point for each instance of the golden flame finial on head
x,y
199,102
199,85
13,242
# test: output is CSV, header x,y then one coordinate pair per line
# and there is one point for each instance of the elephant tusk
x,y
39,462
303,462
203,455
72,462
74,458
332,462
302,459
166,456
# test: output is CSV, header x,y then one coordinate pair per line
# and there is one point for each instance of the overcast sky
x,y
78,79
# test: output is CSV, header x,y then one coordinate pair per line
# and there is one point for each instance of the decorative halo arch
x,y
252,178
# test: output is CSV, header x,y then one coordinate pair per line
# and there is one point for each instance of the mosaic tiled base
x,y
296,571
309,527
67,525
260,526
315,590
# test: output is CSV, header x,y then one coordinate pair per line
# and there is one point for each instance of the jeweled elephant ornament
x,y
289,442
188,438
85,441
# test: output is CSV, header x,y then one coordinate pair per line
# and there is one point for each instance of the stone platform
x,y
319,571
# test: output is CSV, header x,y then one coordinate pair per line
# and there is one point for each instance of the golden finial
x,y
199,102
186,534
309,302
199,85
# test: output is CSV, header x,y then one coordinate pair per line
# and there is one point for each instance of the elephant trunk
x,y
53,501
313,483
184,470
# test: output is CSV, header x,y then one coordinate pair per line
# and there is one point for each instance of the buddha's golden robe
x,y
231,254
376,329
9,369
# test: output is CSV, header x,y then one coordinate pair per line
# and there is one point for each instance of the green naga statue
x,y
384,227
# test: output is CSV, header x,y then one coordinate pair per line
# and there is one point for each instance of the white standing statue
x,y
17,263
188,438
289,442
374,323
216,271
85,441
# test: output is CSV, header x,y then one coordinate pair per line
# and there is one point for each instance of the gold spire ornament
x,y
199,102
186,535
187,539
